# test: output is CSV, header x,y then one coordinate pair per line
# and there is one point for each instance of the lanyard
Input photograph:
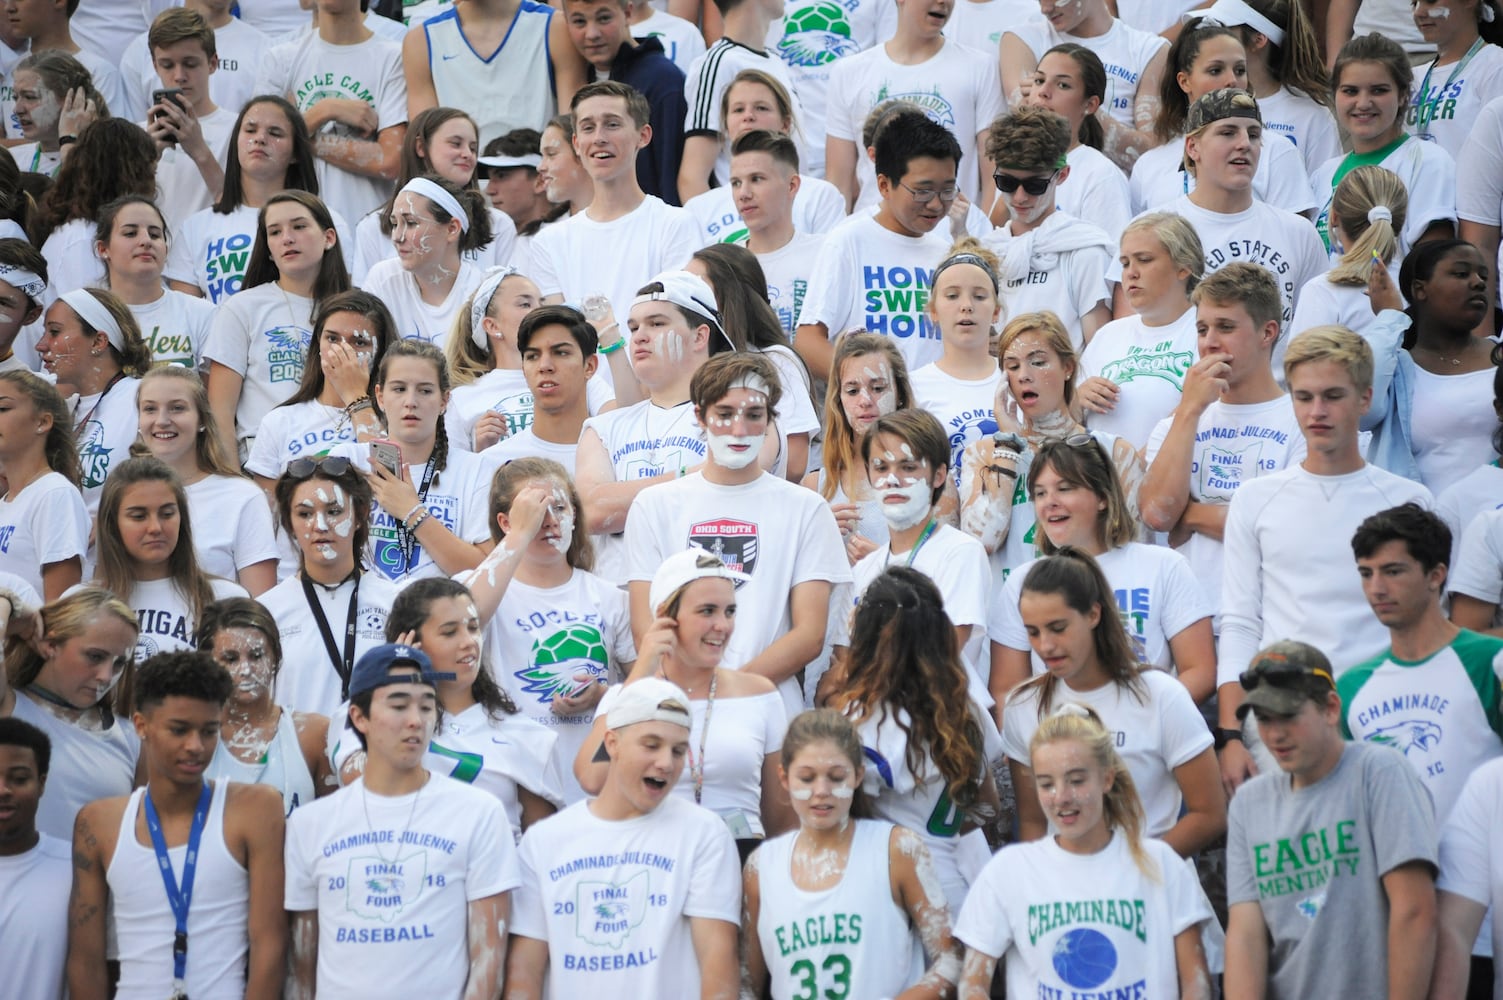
x,y
344,663
407,538
1423,99
697,764
923,537
179,898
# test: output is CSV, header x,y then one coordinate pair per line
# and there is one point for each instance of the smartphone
x,y
172,94
387,453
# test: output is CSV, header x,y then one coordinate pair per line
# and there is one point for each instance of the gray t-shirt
x,y
1314,860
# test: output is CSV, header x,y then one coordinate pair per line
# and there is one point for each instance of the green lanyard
x,y
1422,99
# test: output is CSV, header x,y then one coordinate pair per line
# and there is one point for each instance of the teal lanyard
x,y
1423,100
922,538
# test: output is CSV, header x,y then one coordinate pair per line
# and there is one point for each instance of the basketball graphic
x,y
1084,958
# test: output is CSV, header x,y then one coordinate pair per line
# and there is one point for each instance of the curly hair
x,y
112,158
184,673
905,663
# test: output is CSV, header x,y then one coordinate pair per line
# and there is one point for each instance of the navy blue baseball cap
x,y
374,669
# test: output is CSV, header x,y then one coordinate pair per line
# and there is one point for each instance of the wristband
x,y
415,525
66,140
613,348
363,403
408,516
1225,736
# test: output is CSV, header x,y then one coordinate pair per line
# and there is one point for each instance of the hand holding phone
x,y
387,454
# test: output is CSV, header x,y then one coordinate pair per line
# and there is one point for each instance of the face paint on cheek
x,y
724,448
801,794
344,525
914,506
843,792
1436,13
565,521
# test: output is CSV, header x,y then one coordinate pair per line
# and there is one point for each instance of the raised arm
x,y
1165,492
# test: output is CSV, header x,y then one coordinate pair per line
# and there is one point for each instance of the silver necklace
x,y
365,805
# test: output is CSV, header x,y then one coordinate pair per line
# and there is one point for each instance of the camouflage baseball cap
x,y
1219,104
1285,675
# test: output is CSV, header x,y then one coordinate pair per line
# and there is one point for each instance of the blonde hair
x,y
1249,285
840,447
1056,337
1179,240
1121,806
67,618
1359,192
1336,344
208,449
468,360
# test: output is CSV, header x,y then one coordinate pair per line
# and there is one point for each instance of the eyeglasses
x,y
1007,183
923,196
1280,673
332,465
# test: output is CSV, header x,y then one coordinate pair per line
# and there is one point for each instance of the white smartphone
x,y
388,454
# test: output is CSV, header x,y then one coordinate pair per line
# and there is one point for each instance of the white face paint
x,y
915,506
723,448
669,345
563,512
1436,13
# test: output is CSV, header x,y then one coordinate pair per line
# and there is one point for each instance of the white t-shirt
x,y
1157,595
398,872
46,523
458,498
526,444
1125,51
869,277
1234,442
796,413
212,250
1153,735
817,208
181,190
1281,179
1471,852
29,156
497,756
296,431
706,80
372,245
71,261
1448,98
239,46
34,888
980,26
811,38
1079,925
1479,490
578,255
1479,167
541,637
1284,244
416,319
957,87
743,731
1429,175
232,525
1148,364
308,680
1288,567
1451,425
166,614
309,70
1479,567
87,764
505,391
1064,270
105,427
962,406
1095,190
681,39
1303,121
262,335
1394,20
780,534
613,899
787,271
175,327
1322,302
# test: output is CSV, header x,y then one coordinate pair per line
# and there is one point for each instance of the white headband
x,y
440,197
480,304
30,283
96,315
1379,212
1233,13
532,160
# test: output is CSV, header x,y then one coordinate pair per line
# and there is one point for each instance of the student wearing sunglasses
x,y
331,611
1050,260
1331,859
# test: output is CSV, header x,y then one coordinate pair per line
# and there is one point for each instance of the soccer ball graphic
x,y
557,658
815,35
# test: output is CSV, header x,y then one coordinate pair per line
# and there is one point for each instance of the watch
x,y
1225,736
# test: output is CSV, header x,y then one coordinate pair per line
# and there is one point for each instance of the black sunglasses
x,y
1279,673
332,465
1007,183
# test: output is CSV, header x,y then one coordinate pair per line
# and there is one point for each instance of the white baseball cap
x,y
650,699
694,563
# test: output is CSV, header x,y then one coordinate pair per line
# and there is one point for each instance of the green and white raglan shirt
x,y
1441,712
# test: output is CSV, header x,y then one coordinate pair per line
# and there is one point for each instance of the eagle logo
x,y
1409,734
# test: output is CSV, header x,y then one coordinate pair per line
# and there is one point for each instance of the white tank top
x,y
218,934
87,764
282,766
511,88
851,940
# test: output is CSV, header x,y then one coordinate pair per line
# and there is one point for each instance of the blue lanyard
x,y
179,898
1422,99
922,538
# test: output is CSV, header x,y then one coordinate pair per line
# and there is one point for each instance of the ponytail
x,y
1361,201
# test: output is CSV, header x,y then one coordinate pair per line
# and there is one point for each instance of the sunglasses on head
x,y
332,465
1007,183
1279,673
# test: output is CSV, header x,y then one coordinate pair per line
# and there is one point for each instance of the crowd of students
x,y
513,500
